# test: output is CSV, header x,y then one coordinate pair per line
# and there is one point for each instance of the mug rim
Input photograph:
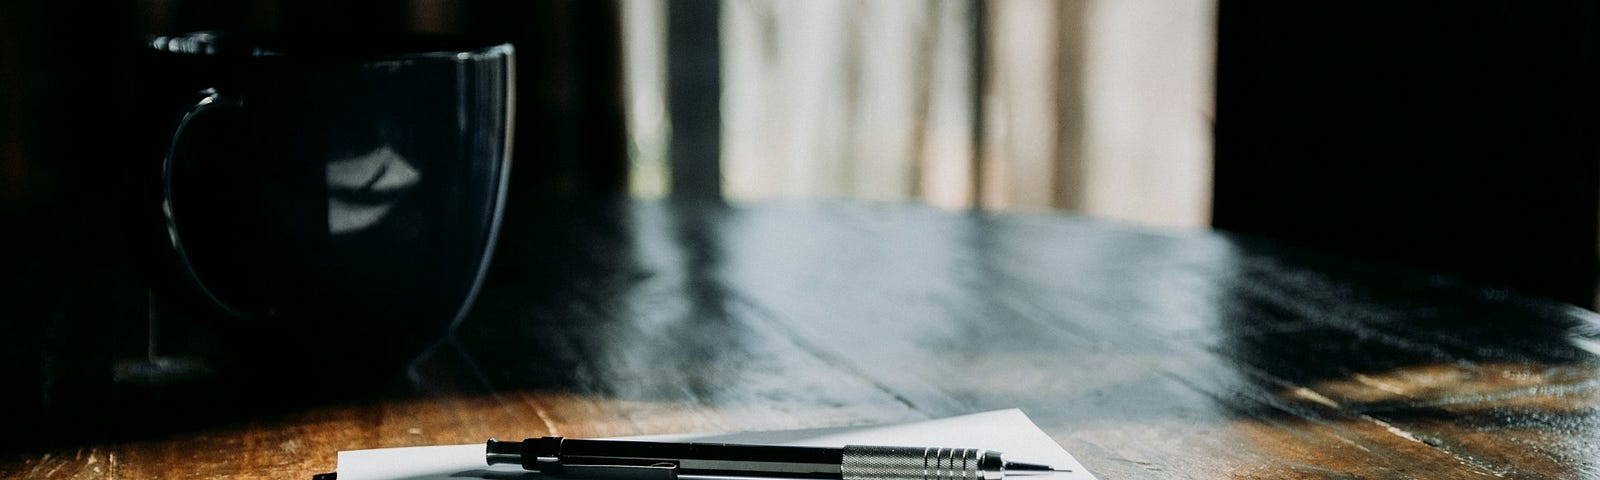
x,y
344,46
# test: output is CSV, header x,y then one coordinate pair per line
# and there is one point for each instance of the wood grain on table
x,y
1146,353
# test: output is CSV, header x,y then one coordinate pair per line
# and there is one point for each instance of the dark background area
x,y
1456,136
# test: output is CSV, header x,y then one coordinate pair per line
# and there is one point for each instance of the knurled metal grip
x,y
911,463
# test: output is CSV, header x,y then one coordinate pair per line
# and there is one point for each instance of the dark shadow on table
x,y
74,306
1307,315
1354,344
591,294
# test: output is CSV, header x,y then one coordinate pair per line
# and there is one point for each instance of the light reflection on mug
x,y
362,189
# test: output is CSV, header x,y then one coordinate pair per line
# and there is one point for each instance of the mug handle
x,y
210,101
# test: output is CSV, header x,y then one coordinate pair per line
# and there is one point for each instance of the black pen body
x,y
717,459
557,456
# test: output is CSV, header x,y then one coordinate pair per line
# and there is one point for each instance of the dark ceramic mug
x,y
324,196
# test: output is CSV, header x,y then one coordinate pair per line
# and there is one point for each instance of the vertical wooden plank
x,y
981,65
695,97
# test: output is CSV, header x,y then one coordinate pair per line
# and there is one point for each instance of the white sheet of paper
x,y
1008,431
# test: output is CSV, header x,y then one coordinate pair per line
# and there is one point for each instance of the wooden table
x,y
1146,353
